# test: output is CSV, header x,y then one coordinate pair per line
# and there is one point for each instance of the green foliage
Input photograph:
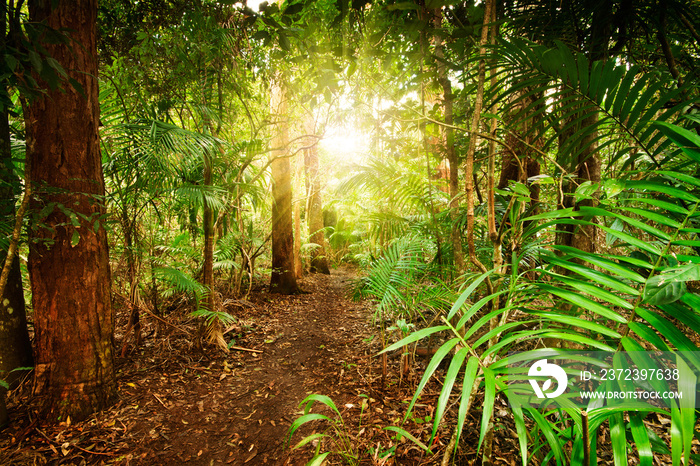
x,y
399,283
552,85
635,301
336,433
178,281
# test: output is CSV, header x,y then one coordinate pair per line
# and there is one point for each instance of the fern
x,y
626,100
179,281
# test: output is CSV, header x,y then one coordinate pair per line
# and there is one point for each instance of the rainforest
x,y
425,232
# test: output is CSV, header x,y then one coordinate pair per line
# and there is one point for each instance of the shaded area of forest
x,y
516,183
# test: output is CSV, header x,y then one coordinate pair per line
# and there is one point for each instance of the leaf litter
x,y
180,406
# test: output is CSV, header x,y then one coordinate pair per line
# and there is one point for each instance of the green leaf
x,y
318,460
520,428
659,291
546,428
470,372
284,42
594,275
466,293
670,332
293,9
437,358
308,439
415,336
617,225
605,264
75,239
448,383
618,439
688,142
409,436
578,323
687,385
586,190
304,419
641,438
584,303
262,35
323,399
487,407
648,335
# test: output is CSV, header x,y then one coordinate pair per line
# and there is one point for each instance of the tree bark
x,y
283,280
68,252
314,212
473,130
449,141
15,347
298,267
208,226
585,167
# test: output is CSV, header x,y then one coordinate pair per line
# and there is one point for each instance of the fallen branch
x,y
239,348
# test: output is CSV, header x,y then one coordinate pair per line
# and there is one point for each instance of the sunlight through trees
x,y
510,184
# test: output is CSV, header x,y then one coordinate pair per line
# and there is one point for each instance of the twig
x,y
159,400
238,348
446,457
93,452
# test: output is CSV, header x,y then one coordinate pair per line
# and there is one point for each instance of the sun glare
x,y
346,145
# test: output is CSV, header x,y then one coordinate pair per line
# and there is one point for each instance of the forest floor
x,y
178,405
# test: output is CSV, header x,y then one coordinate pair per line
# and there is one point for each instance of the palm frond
x,y
567,87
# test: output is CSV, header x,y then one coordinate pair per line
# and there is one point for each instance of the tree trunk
x,y
450,152
283,280
134,316
208,225
314,211
473,132
15,347
298,267
585,167
68,253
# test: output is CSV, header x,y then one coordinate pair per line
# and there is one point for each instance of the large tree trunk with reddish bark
x,y
283,279
68,254
314,211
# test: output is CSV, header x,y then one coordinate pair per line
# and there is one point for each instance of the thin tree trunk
x,y
69,265
298,268
15,347
450,152
314,211
473,131
282,280
208,224
134,317
585,167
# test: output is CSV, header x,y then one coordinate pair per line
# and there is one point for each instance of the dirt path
x,y
178,407
238,410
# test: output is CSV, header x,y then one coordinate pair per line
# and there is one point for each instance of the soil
x,y
179,405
